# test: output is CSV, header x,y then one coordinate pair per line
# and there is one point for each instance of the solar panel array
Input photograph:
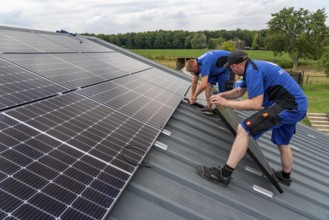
x,y
75,124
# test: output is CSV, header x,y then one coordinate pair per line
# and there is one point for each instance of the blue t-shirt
x,y
207,67
275,84
207,63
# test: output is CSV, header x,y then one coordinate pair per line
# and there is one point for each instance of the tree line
x,y
299,32
179,39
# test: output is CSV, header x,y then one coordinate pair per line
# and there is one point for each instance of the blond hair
x,y
189,65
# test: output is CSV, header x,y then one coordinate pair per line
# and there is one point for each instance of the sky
x,y
123,16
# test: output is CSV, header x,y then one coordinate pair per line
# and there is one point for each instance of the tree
x,y
199,41
214,43
324,61
299,33
228,45
168,36
239,44
179,40
159,42
255,44
187,44
149,39
139,41
262,35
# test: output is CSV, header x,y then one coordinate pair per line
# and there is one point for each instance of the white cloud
x,y
121,16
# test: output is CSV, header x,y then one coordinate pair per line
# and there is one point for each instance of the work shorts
x,y
281,121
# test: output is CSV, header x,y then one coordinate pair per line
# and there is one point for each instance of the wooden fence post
x,y
307,79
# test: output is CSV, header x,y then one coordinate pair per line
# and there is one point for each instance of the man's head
x,y
192,66
236,61
236,57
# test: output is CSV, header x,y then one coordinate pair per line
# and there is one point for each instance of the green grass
x,y
318,99
171,54
174,53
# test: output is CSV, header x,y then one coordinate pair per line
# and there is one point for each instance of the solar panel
x,y
10,45
67,157
230,118
76,43
25,41
57,70
165,80
121,62
136,97
92,65
18,86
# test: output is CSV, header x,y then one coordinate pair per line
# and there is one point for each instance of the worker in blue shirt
x,y
210,66
280,104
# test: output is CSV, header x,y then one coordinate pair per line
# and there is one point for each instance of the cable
x,y
132,147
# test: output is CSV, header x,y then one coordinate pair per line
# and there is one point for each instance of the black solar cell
x,y
52,173
120,61
97,67
19,86
165,80
76,43
137,98
28,42
10,45
58,70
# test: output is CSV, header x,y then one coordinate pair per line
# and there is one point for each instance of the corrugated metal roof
x,y
171,189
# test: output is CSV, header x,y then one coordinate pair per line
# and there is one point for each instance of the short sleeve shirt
x,y
207,63
274,83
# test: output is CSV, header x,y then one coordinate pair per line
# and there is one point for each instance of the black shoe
x,y
213,174
278,174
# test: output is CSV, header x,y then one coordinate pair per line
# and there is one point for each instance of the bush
x,y
285,64
324,62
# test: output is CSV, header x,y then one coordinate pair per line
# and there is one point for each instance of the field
x,y
316,88
173,54
253,54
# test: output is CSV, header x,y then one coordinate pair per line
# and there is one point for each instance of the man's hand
x,y
218,100
246,104
191,100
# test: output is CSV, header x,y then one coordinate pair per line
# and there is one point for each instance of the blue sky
x,y
122,16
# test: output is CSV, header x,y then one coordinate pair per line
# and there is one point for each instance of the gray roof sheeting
x,y
171,189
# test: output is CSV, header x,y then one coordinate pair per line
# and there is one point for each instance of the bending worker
x,y
211,67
